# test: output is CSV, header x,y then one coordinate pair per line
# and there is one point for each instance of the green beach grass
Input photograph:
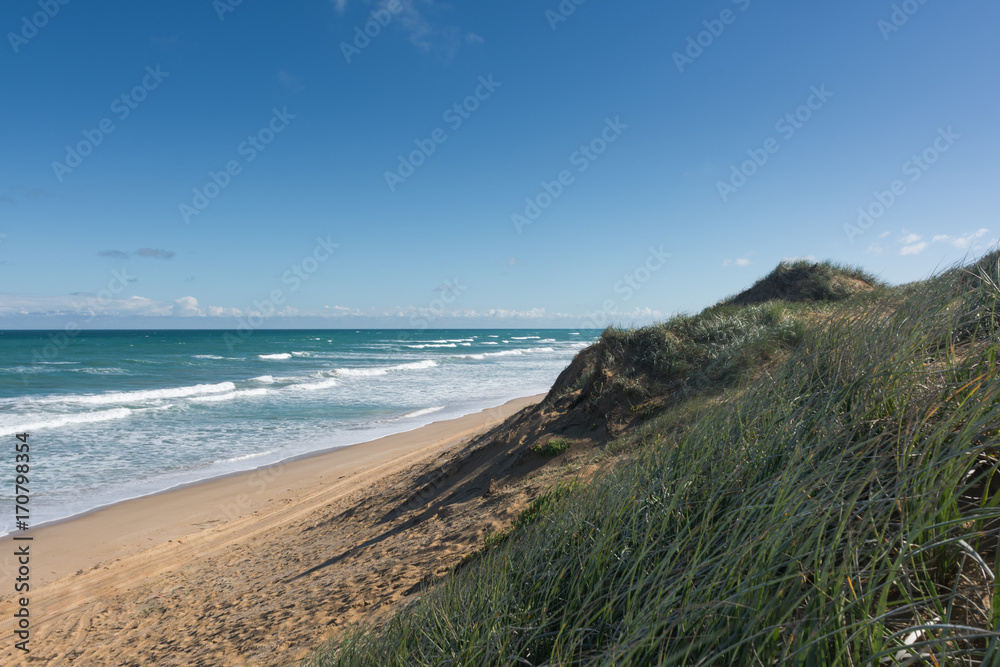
x,y
820,488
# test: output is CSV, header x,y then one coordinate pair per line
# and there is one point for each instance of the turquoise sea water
x,y
120,414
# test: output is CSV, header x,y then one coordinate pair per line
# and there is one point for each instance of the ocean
x,y
114,415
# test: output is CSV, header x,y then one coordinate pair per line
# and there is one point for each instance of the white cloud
x,y
874,249
187,306
218,311
913,248
341,310
961,242
422,33
913,244
418,21
83,308
742,261
79,304
647,314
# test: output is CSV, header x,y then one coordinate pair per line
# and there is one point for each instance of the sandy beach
x,y
253,568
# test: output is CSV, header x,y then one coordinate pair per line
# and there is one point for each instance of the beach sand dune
x,y
258,567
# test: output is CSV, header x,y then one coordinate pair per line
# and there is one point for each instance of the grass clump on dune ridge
x,y
840,510
705,351
805,281
633,373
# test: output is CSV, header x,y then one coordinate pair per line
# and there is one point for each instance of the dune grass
x,y
552,447
806,281
841,509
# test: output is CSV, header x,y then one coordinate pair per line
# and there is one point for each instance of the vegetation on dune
x,y
633,373
838,505
553,447
804,281
538,508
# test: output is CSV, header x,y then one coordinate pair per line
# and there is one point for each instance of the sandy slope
x,y
253,568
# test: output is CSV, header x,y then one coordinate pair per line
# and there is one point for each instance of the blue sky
x,y
544,163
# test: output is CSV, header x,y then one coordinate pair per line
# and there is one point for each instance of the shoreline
x,y
125,529
249,471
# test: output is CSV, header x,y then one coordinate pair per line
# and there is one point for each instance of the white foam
x,y
140,396
218,398
415,366
247,457
505,353
362,372
312,386
385,370
101,371
207,356
263,379
7,428
490,342
420,347
484,355
524,337
275,357
302,354
421,413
